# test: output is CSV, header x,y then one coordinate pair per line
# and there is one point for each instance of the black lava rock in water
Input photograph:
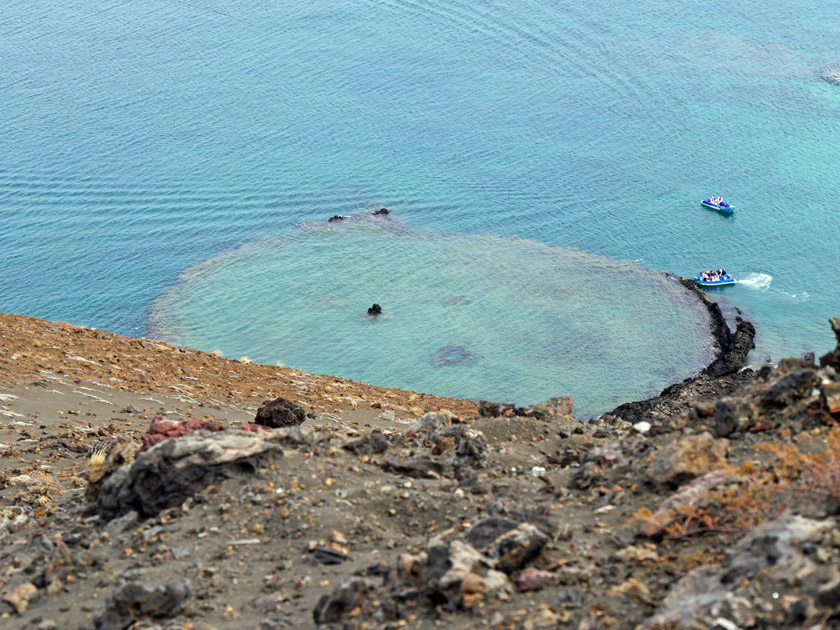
x,y
280,413
375,310
381,212
336,217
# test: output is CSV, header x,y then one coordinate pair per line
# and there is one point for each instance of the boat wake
x,y
798,297
757,281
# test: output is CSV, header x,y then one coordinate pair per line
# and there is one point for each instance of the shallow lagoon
x,y
467,316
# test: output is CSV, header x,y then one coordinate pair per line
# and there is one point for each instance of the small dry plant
x,y
97,458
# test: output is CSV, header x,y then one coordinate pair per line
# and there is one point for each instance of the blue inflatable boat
x,y
720,206
719,281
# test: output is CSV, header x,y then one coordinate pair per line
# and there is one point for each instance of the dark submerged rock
x,y
453,355
381,212
337,217
375,310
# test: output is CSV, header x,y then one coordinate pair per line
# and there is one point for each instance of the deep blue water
x,y
140,139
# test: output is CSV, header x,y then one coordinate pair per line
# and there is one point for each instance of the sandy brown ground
x,y
245,545
34,351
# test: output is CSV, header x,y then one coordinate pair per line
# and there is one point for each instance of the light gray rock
x,y
178,468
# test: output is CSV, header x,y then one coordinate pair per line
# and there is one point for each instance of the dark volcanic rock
x,y
607,457
733,353
347,595
493,409
374,442
280,413
514,549
137,601
795,394
471,446
381,212
458,575
833,358
336,217
482,534
375,310
418,467
772,557
791,388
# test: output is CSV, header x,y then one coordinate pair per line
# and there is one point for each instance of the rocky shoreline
x,y
727,371
149,487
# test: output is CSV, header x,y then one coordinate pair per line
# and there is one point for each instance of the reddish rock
x,y
253,428
535,580
162,429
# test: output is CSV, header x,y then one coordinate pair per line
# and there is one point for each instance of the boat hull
x,y
718,283
723,208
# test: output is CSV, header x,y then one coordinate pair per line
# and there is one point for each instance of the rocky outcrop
x,y
775,559
167,474
688,458
795,394
618,454
458,574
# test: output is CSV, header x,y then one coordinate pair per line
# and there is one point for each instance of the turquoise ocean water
x,y
167,167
